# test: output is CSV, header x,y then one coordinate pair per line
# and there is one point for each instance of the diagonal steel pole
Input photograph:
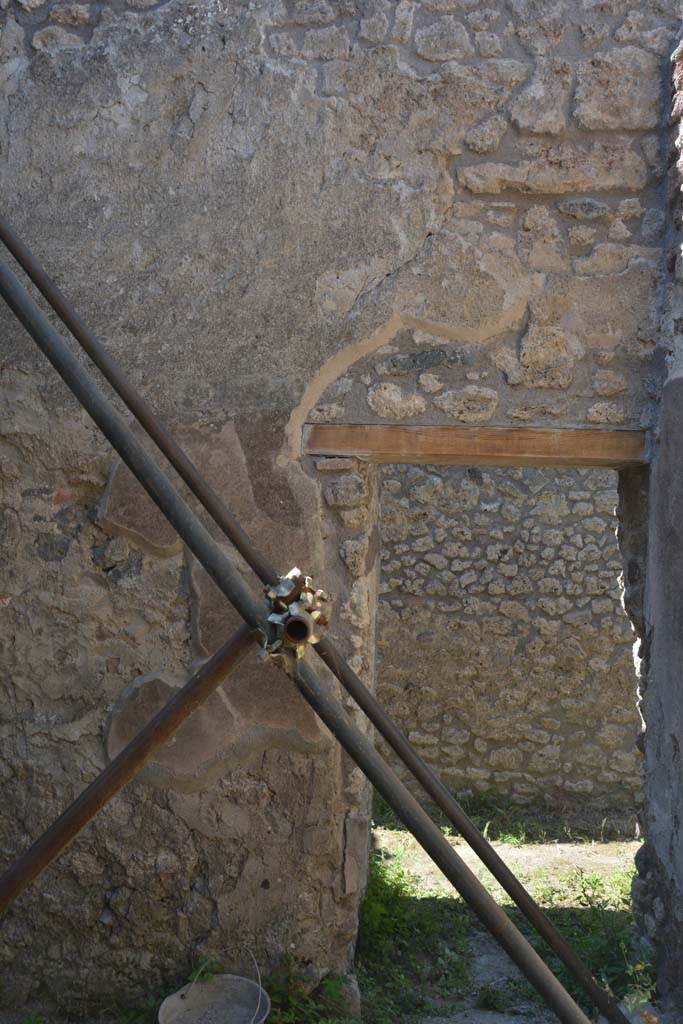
x,y
326,650
124,767
331,713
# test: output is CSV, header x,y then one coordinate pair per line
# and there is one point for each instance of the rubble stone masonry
x,y
277,212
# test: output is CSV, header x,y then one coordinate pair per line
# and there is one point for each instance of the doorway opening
x,y
503,649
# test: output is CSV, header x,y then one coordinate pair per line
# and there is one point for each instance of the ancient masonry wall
x,y
651,513
278,212
503,649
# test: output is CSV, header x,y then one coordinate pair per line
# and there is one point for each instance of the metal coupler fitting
x,y
296,614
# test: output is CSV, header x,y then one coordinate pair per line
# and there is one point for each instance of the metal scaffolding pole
x,y
349,736
354,686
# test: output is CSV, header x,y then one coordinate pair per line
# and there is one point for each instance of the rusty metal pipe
x,y
232,529
447,803
124,767
331,713
437,847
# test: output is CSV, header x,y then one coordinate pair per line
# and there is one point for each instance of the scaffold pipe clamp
x,y
297,616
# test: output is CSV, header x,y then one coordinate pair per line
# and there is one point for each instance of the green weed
x,y
206,971
593,912
293,1004
412,945
146,1013
493,997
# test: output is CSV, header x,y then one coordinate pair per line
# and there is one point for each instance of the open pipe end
x,y
298,629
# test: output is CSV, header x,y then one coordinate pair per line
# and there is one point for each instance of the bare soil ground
x,y
543,864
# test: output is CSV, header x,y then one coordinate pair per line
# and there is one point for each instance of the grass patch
x,y
501,821
412,945
293,1004
593,912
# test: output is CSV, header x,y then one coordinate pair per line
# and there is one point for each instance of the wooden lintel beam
x,y
478,446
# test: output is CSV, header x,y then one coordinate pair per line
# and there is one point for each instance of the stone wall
x,y
657,546
275,212
503,648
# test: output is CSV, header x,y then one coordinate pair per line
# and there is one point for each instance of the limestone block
x,y
581,237
313,12
541,24
630,208
403,21
471,405
567,167
55,38
326,412
541,107
506,758
389,401
483,18
430,383
540,241
545,347
606,258
348,491
618,88
585,209
606,412
445,39
354,553
375,23
338,291
604,312
607,383
619,232
488,44
71,14
486,136
443,6
502,71
636,29
325,44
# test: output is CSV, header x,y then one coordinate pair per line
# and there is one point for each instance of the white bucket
x,y
226,999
